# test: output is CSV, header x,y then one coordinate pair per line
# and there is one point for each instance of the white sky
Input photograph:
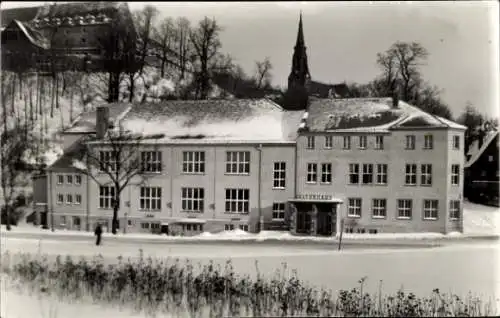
x,y
343,39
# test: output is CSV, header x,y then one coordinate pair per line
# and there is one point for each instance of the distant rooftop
x,y
370,115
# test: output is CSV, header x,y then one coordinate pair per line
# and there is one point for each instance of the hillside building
x,y
377,165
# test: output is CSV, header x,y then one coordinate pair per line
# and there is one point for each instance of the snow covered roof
x,y
85,123
74,152
477,154
369,115
206,121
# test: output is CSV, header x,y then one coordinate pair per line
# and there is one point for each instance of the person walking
x,y
98,233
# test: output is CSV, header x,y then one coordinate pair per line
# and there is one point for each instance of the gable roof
x,y
241,120
20,14
369,115
74,152
476,155
35,37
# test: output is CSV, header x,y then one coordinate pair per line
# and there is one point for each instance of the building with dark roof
x,y
481,170
372,164
75,35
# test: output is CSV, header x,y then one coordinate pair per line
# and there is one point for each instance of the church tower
x,y
297,94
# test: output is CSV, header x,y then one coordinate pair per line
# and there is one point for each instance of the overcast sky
x,y
343,39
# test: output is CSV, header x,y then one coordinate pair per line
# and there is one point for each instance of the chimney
x,y
395,98
101,122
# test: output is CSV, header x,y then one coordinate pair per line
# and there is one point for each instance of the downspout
x,y
259,205
172,175
51,204
87,209
215,181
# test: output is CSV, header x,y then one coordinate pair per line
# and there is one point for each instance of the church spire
x,y
299,76
300,34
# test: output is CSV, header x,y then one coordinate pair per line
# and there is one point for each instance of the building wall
x,y
396,157
214,182
455,192
64,214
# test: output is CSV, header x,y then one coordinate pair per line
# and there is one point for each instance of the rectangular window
x,y
192,199
60,198
367,173
404,208
328,142
430,209
278,211
311,142
381,173
455,174
326,173
454,209
108,160
379,142
411,174
69,199
312,173
354,173
279,175
145,226
106,197
238,162
69,179
354,208
228,227
62,220
363,140
244,227
428,142
379,208
78,179
410,142
60,179
150,198
78,199
237,200
193,162
151,161
456,142
426,175
347,142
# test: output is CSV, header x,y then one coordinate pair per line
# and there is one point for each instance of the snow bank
x,y
239,235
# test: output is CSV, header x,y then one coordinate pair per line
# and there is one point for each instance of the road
x,y
457,268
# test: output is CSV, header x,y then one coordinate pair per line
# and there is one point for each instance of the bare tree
x,y
165,36
206,44
144,21
263,73
401,64
182,44
119,47
118,157
13,144
472,119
